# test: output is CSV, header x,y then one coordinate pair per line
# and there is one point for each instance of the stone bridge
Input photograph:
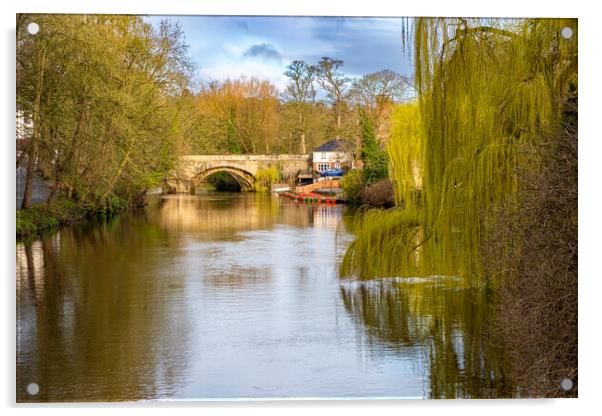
x,y
192,170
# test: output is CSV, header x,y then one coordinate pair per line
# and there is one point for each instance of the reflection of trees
x,y
444,320
240,278
304,215
217,213
103,310
228,213
92,324
327,216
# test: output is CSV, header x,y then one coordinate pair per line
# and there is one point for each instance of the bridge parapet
x,y
246,157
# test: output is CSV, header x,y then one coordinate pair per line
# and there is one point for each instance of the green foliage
x,y
232,144
384,244
352,184
25,224
104,92
40,218
404,151
534,247
63,211
374,158
490,92
264,178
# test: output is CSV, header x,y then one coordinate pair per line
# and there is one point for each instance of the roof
x,y
330,146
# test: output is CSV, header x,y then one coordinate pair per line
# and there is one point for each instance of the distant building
x,y
24,126
330,156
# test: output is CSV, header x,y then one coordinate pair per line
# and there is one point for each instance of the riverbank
x,y
42,218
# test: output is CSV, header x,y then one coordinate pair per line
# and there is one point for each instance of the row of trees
x,y
112,105
248,115
101,94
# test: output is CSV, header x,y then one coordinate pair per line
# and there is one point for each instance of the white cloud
x,y
248,67
218,44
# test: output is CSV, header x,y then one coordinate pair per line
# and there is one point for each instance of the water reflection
x,y
234,296
442,318
224,213
87,315
132,308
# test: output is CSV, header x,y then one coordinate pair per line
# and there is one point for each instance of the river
x,y
236,295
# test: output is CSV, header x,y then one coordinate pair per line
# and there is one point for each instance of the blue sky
x,y
262,46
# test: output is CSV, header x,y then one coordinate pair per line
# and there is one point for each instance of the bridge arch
x,y
243,177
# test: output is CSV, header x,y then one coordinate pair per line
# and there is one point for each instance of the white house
x,y
330,156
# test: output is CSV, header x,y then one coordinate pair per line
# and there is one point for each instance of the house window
x,y
322,167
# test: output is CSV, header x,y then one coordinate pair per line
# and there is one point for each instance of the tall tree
x,y
376,93
239,115
335,84
30,85
373,157
100,91
301,91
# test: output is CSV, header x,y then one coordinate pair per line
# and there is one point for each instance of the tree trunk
x,y
31,165
338,123
117,175
60,169
22,156
32,153
302,134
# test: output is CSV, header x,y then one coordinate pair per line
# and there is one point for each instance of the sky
x,y
262,46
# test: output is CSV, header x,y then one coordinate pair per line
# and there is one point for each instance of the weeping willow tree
x,y
491,93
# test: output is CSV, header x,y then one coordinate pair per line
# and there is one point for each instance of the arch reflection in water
x,y
443,319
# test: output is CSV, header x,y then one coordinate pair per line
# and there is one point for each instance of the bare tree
x,y
301,87
334,83
379,88
300,91
376,93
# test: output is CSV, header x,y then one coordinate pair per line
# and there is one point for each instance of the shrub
x,y
352,184
379,194
25,223
264,178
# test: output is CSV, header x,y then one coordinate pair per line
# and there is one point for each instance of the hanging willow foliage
x,y
490,92
405,154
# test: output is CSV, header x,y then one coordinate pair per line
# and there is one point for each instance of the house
x,y
330,156
24,129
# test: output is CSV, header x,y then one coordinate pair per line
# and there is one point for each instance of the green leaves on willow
x,y
490,93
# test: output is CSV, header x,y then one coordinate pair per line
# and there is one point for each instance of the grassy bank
x,y
61,212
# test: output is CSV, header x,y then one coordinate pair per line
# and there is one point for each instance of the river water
x,y
236,295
